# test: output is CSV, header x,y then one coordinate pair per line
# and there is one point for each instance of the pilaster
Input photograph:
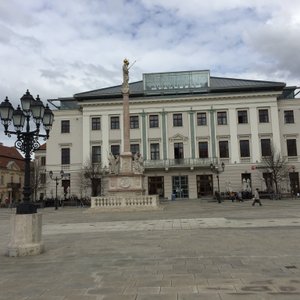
x,y
234,145
275,128
255,143
164,133
212,132
85,137
144,135
105,139
192,131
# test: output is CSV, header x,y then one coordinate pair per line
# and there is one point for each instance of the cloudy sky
x,y
56,48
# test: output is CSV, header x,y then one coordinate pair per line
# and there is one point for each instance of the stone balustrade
x,y
134,202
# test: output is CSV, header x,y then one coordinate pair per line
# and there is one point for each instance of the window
x,y
134,148
222,118
114,123
65,126
115,149
223,149
96,154
43,178
263,116
203,149
96,125
2,180
242,117
291,147
178,150
177,120
265,147
65,156
201,119
153,121
43,160
289,116
154,151
244,148
134,122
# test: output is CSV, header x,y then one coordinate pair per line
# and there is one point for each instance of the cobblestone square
x,y
191,249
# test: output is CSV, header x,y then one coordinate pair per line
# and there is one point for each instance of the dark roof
x,y
217,85
8,154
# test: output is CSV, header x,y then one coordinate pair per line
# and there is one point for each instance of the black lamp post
x,y
56,179
217,171
27,140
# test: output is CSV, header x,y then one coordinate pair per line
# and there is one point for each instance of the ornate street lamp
x,y
56,179
215,169
27,140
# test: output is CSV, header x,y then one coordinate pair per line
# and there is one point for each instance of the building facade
x,y
186,125
11,175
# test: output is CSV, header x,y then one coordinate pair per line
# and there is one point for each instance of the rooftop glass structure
x,y
176,82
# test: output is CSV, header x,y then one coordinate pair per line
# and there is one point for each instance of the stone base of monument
x,y
26,235
125,191
125,203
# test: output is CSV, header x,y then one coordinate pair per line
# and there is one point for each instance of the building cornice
x,y
169,99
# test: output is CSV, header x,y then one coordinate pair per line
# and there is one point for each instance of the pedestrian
x,y
218,196
239,197
232,196
256,198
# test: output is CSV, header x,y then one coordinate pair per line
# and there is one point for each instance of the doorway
x,y
294,181
156,186
204,185
180,186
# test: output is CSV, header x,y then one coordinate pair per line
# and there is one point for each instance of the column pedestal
x,y
26,235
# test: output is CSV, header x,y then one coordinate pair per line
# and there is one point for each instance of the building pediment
x,y
178,138
13,166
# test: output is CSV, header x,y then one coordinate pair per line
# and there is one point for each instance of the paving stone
x,y
200,296
157,297
179,290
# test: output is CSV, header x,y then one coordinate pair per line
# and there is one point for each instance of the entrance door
x,y
180,186
294,180
246,185
204,185
268,182
156,186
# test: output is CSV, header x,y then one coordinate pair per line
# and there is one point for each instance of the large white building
x,y
181,123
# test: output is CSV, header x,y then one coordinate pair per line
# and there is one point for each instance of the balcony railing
x,y
13,185
180,163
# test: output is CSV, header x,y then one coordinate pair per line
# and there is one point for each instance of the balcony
x,y
187,163
13,185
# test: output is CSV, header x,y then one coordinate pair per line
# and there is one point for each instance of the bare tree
x,y
277,168
94,172
38,178
83,184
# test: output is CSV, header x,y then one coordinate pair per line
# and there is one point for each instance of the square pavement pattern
x,y
191,249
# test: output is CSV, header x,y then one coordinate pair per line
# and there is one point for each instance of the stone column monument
x,y
128,180
126,173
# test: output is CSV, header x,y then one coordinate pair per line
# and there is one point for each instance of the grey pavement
x,y
191,249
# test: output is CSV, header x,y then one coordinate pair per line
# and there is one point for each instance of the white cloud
x,y
58,48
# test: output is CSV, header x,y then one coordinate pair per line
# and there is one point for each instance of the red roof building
x,y
11,175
